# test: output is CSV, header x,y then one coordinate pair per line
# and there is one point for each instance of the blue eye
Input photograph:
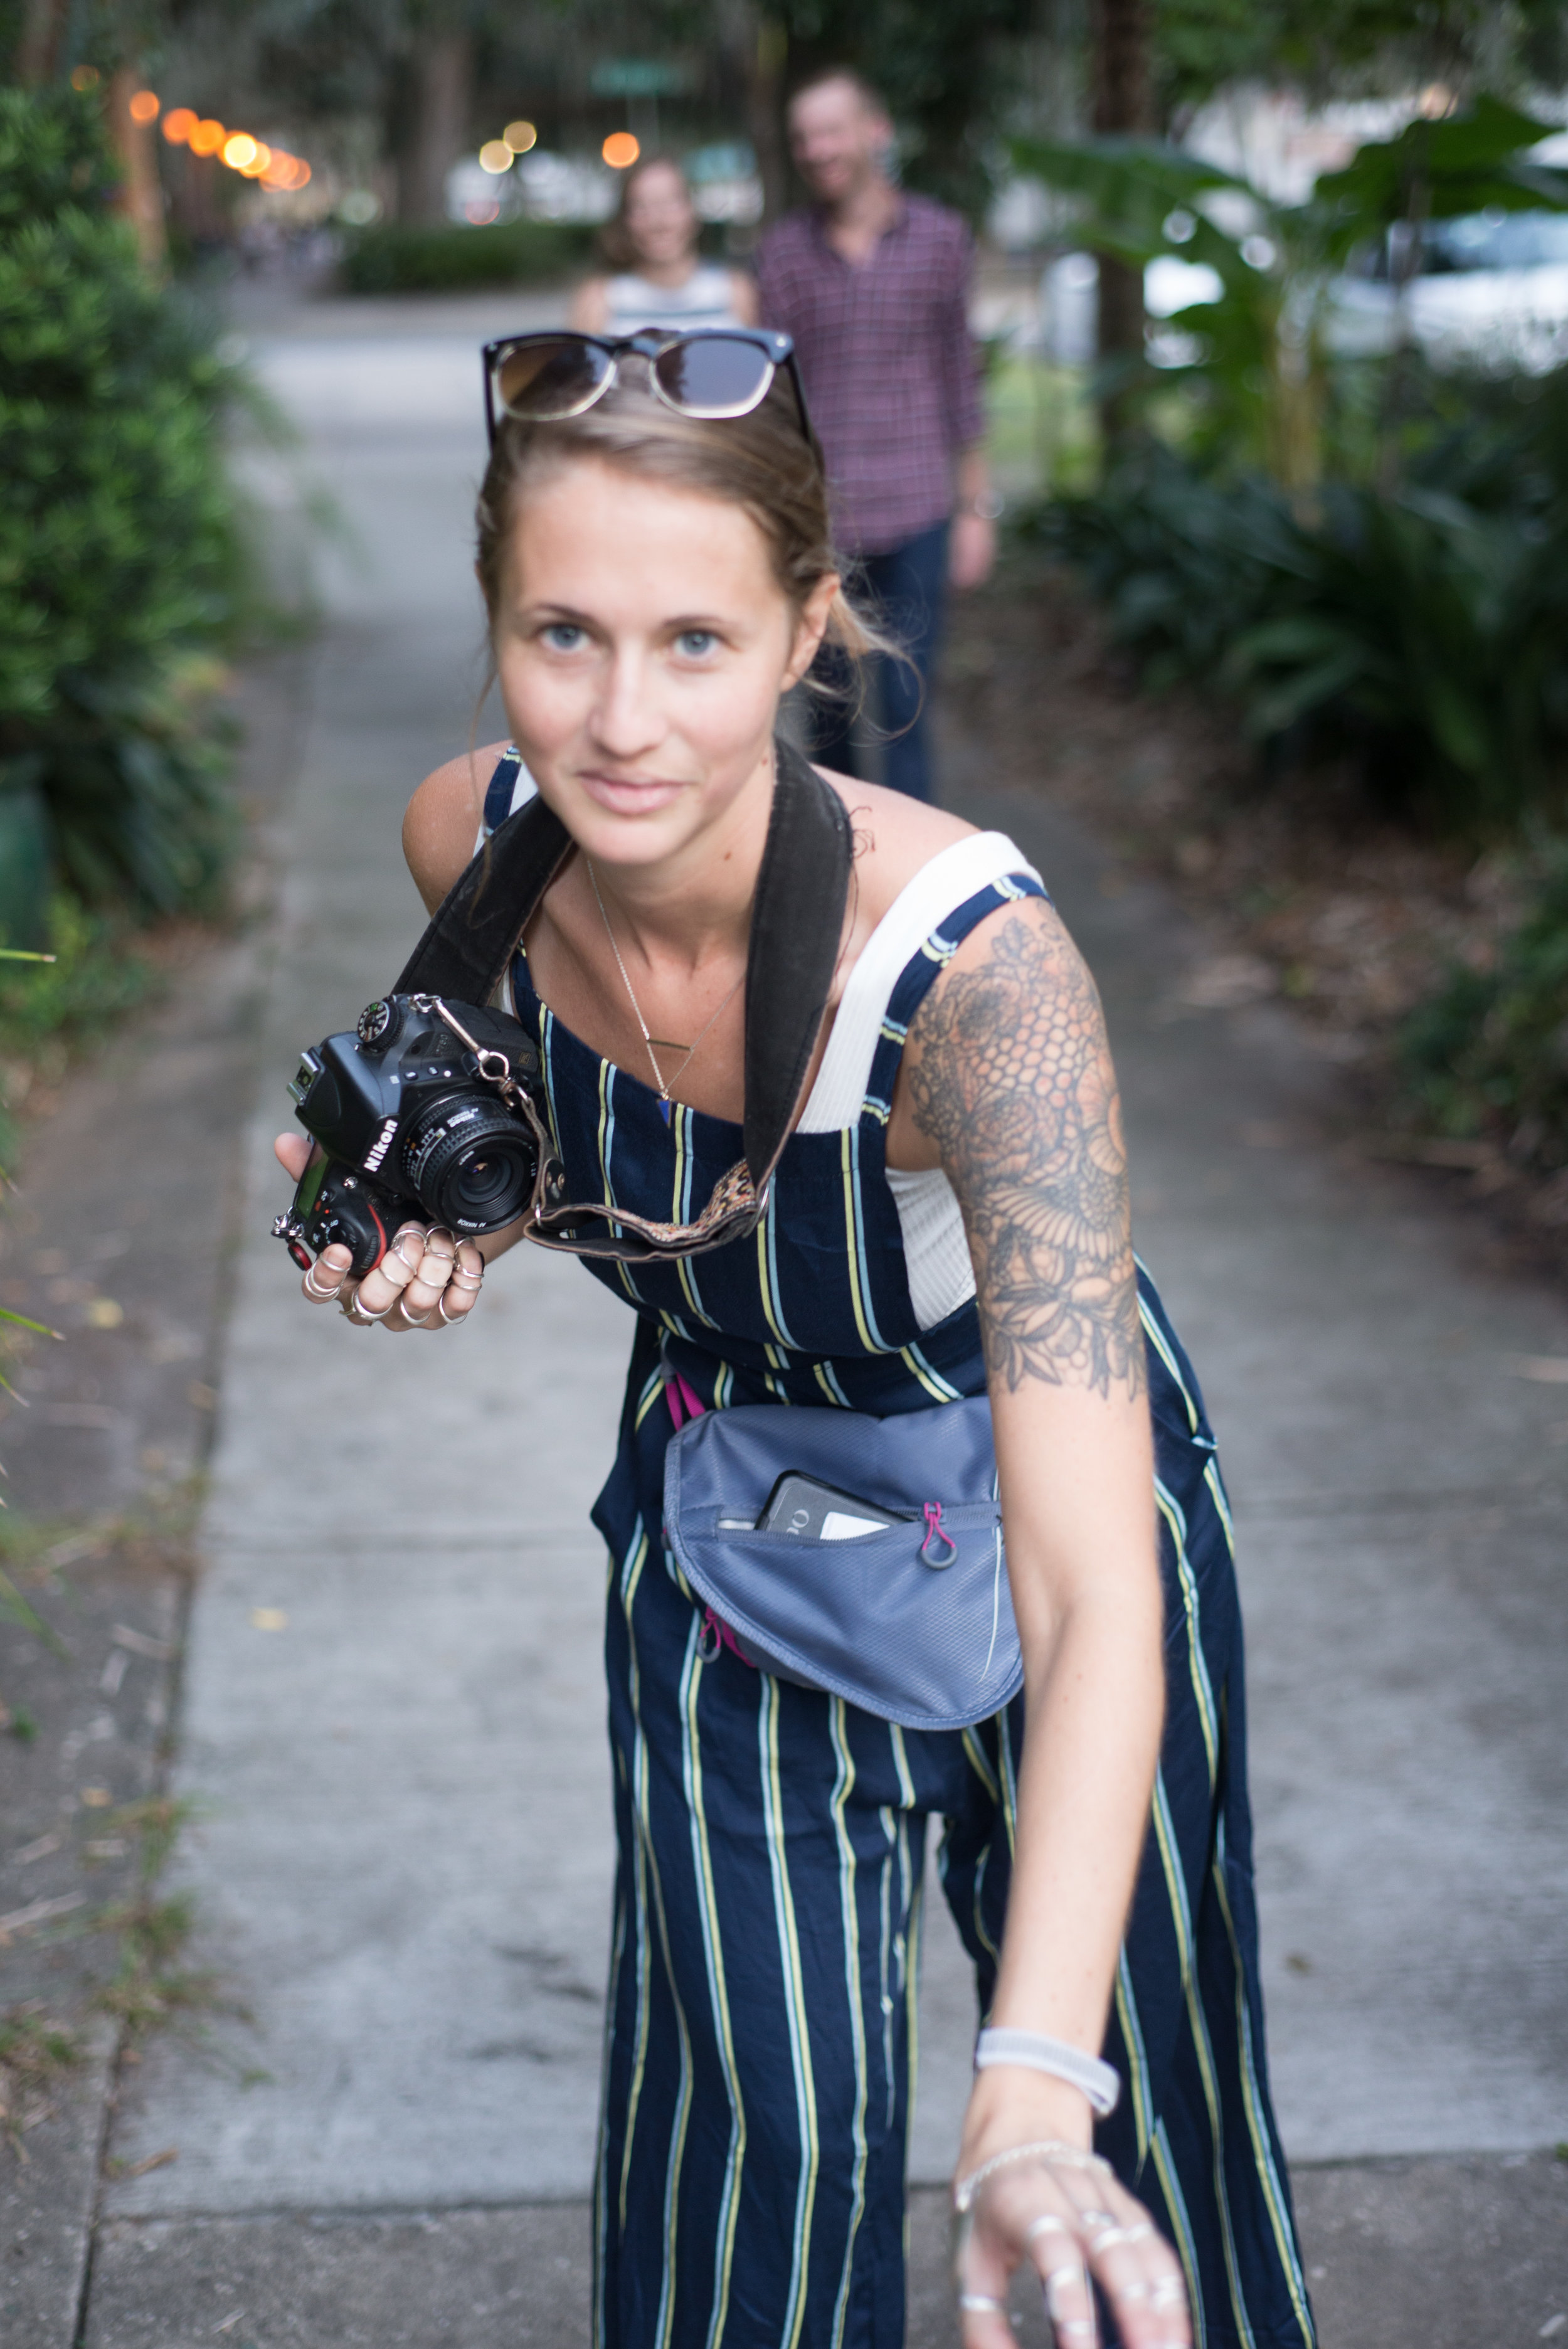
x,y
694,644
563,637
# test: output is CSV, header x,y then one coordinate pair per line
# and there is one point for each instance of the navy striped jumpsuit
x,y
760,2043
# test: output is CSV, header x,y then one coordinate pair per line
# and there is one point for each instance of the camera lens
x,y
469,1163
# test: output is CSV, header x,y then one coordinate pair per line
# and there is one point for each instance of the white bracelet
x,y
1036,2052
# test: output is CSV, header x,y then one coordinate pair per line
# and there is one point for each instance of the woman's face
x,y
659,218
642,643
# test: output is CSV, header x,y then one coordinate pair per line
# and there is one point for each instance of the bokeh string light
x,y
621,150
253,159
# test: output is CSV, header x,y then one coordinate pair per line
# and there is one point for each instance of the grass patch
x,y
151,1985
35,2054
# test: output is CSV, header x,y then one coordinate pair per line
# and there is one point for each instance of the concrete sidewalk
x,y
392,1714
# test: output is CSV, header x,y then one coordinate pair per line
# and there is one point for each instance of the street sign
x,y
637,77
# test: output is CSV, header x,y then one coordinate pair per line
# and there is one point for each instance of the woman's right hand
x,y
428,1279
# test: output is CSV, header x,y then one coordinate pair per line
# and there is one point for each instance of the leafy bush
x,y
95,976
396,260
118,554
1430,631
1489,1052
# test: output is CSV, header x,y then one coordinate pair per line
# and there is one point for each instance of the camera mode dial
x,y
376,1023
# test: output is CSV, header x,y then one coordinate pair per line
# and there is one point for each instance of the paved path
x,y
405,1863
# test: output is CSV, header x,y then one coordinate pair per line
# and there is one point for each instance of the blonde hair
x,y
762,462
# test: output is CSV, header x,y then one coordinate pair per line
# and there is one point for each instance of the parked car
x,y
1490,287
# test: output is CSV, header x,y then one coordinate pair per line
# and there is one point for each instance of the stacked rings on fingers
x,y
1107,2236
448,1321
317,1296
972,2303
461,1277
360,1317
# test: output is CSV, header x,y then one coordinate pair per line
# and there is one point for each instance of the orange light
x,y
301,171
258,162
239,150
179,125
520,137
620,151
84,76
144,107
207,137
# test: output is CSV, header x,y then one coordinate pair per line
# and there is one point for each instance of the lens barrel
x,y
469,1163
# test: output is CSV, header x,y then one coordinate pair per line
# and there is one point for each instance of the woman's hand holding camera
x,y
428,1279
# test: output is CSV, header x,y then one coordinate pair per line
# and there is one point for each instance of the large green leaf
x,y
1464,163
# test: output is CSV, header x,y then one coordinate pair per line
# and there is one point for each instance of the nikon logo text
x,y
380,1146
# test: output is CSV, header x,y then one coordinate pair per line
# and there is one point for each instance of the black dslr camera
x,y
423,1109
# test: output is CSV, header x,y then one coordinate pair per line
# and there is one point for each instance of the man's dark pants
x,y
904,591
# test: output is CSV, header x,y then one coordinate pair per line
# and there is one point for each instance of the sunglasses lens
x,y
716,375
552,377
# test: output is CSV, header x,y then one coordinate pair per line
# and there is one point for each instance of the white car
x,y
1491,289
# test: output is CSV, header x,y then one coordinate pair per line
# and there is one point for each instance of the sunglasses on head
x,y
711,372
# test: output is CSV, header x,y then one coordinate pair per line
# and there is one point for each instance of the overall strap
x,y
797,930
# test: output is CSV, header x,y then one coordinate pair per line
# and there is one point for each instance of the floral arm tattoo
x,y
1010,1076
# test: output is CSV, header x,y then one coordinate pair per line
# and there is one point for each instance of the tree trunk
x,y
443,103
141,197
38,50
755,44
1122,105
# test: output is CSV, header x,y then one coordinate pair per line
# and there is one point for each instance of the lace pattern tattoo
x,y
1010,1077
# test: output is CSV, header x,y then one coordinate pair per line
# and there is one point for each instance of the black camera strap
x,y
797,934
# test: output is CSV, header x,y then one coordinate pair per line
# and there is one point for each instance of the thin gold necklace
x,y
648,1041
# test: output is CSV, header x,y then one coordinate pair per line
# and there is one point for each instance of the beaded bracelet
x,y
1071,2157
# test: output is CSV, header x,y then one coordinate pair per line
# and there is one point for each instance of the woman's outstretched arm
x,y
1009,1086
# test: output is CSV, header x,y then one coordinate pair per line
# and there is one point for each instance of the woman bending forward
x,y
948,1219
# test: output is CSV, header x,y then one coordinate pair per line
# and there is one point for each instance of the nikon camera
x,y
410,1119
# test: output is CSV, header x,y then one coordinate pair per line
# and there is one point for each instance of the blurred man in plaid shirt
x,y
872,284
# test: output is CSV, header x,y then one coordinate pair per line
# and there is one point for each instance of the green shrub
x,y
1428,630
118,554
1487,1053
97,975
395,260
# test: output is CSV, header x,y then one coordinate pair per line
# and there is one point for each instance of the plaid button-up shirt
x,y
888,363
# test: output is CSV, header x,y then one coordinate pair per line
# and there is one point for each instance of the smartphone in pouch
x,y
799,1505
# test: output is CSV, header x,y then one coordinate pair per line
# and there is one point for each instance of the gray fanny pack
x,y
859,1556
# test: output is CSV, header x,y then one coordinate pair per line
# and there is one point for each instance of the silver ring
x,y
321,1295
972,2302
461,1277
1096,2218
415,1320
1109,2235
356,1313
1168,2292
449,1321
1047,2224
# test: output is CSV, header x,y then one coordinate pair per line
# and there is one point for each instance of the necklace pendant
x,y
664,1107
